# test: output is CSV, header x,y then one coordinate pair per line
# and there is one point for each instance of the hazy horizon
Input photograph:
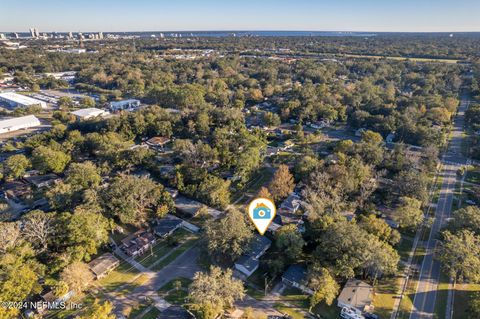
x,y
249,15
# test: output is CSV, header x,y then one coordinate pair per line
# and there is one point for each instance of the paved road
x,y
426,293
184,266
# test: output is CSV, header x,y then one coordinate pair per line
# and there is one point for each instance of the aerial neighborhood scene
x,y
240,159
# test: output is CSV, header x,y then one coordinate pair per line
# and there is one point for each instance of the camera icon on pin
x,y
261,211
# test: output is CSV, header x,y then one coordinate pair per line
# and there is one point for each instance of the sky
x,y
207,15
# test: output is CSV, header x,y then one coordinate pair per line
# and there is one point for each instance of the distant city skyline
x,y
213,15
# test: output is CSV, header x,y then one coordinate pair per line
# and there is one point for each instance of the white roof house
x,y
85,114
124,105
18,123
18,100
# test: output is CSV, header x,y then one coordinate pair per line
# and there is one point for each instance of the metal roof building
x,y
18,100
89,113
18,123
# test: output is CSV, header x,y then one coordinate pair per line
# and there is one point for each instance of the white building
x,y
18,100
18,123
85,114
124,105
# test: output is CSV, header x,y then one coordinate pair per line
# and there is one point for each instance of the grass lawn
x,y
295,297
293,301
462,295
473,175
128,287
177,297
294,314
405,246
135,311
327,312
162,247
177,252
255,293
442,296
123,274
171,284
385,293
152,314
172,295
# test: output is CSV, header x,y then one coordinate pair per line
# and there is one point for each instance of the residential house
x,y
158,142
357,296
166,226
191,207
17,190
288,211
359,132
296,276
249,263
40,181
103,265
390,137
138,243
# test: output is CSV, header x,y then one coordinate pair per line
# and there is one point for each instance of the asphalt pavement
x,y
426,292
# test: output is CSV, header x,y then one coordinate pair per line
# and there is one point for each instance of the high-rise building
x,y
15,35
34,32
2,36
100,35
70,35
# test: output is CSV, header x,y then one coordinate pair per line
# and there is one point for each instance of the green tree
x,y
379,228
15,166
87,101
83,175
48,160
131,198
474,306
409,214
215,191
19,273
99,311
324,286
77,276
87,230
216,289
289,241
460,255
228,238
466,218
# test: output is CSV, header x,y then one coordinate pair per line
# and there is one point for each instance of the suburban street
x,y
426,291
184,266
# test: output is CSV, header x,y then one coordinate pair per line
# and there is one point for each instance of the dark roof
x,y
158,140
165,226
38,180
295,273
248,262
291,202
175,312
258,245
103,263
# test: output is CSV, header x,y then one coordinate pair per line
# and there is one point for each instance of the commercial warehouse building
x,y
124,105
18,123
89,113
18,100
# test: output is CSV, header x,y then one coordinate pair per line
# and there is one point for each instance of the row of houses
x,y
139,242
356,296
